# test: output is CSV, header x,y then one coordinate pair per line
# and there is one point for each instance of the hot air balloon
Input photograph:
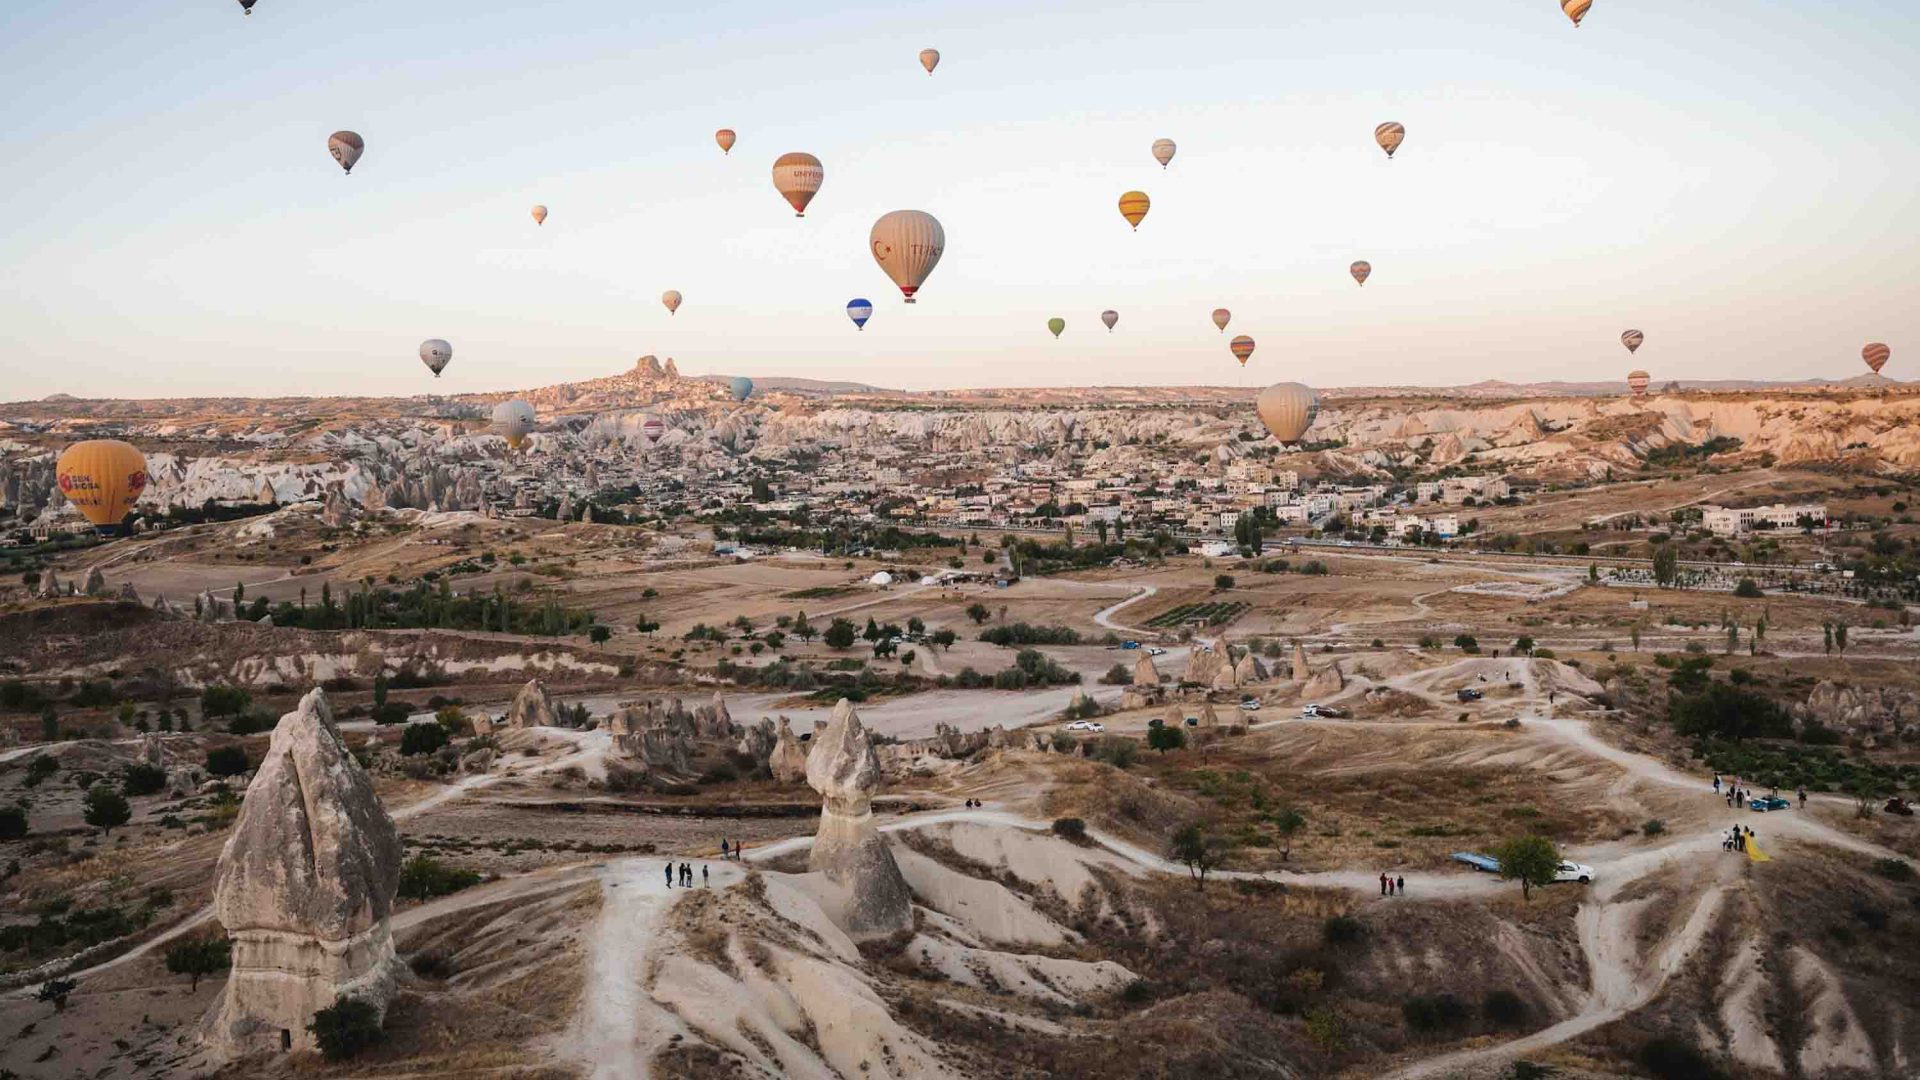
x,y
1576,9
1361,271
1109,317
1632,339
513,420
436,354
725,138
907,244
246,6
102,478
1163,151
652,428
860,310
671,298
740,387
1242,347
1390,135
1287,409
346,148
1057,325
1637,382
929,59
798,178
1876,355
1134,206
1221,317
539,215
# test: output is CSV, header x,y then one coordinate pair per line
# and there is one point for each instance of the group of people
x,y
974,803
685,872
1392,886
1738,796
732,850
1737,838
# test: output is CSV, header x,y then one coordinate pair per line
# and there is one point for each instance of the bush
x,y
424,877
142,779
1342,930
1117,675
1116,751
1223,581
199,957
1011,679
1164,738
1467,643
1024,634
223,700
422,739
13,822
227,761
1070,828
1653,827
1504,1008
1434,1012
1894,869
1668,1057
345,1028
1747,589
106,808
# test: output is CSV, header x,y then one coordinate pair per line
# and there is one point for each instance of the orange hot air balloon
x,y
1576,9
1633,339
1242,347
1134,206
798,178
1876,355
102,478
1361,271
1390,135
539,215
1637,382
725,138
929,59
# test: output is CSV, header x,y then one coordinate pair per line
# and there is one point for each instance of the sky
x,y
1735,181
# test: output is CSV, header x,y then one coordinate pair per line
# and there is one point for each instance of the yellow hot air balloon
x,y
1390,135
1134,206
1221,317
929,59
798,178
1057,325
1361,271
102,478
907,244
1163,150
1576,9
539,215
671,298
1242,347
1637,382
1876,355
725,138
1633,339
1288,410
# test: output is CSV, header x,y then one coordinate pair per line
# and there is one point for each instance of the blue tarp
x,y
1479,862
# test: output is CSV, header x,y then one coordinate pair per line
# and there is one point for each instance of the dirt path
x,y
1105,615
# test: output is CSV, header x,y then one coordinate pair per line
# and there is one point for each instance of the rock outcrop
x,y
848,850
1144,673
1875,715
532,707
788,762
1300,672
1326,683
1249,669
96,583
1204,666
304,888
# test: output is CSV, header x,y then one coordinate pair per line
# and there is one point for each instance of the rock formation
x,y
848,849
532,707
1875,715
50,585
1249,669
1300,672
1144,673
128,593
304,888
96,583
1325,684
788,762
1204,666
757,740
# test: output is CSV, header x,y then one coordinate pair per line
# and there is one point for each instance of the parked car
x,y
1768,802
1086,725
1156,722
1129,644
1309,712
1250,704
1467,693
1156,652
1193,721
1573,871
1898,805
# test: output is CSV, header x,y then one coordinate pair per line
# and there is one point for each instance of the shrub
x,y
1747,588
198,957
1223,581
1342,930
1070,828
13,822
422,739
1117,675
106,808
142,779
1504,1008
223,700
1653,827
1894,869
1165,738
424,877
1434,1012
56,991
227,761
345,1028
1467,643
1116,751
1668,1057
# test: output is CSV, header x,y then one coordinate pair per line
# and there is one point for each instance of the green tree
x,y
1223,581
346,1028
943,638
227,761
56,991
1828,629
221,699
979,612
802,628
1165,738
106,808
13,822
1524,644
599,634
1593,573
199,957
840,635
141,778
422,739
872,632
1666,564
1530,860
645,625
1747,589
1728,712
1288,820
1195,846
1840,637
916,625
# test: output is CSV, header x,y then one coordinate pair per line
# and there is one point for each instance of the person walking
x,y
1803,797
669,875
703,875
686,874
1400,885
1716,783
723,848
1383,884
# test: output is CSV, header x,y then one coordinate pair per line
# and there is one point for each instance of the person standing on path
x,y
723,848
1803,797
1383,884
1400,885
703,875
669,875
1716,783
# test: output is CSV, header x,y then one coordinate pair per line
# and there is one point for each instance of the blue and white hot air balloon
x,y
741,387
860,310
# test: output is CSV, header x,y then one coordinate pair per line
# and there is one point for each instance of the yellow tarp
x,y
1754,853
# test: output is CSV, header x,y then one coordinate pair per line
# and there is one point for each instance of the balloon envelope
x,y
1221,317
1876,355
907,244
1134,206
1637,382
1163,150
860,310
436,354
797,177
1109,317
1057,325
1576,9
539,215
1390,135
1288,410
653,429
1361,271
102,478
1633,339
725,138
671,298
346,148
929,59
513,420
740,387
246,6
1242,347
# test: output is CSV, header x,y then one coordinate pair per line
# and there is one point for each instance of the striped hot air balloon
x,y
1134,206
1876,355
1288,410
1110,317
1361,271
652,428
1637,382
725,138
1242,347
1576,9
1633,339
1221,317
1390,135
102,478
860,309
797,177
1163,150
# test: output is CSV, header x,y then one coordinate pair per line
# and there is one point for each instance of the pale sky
x,y
1738,181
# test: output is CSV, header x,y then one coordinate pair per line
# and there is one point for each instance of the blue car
x,y
1129,644
1768,802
